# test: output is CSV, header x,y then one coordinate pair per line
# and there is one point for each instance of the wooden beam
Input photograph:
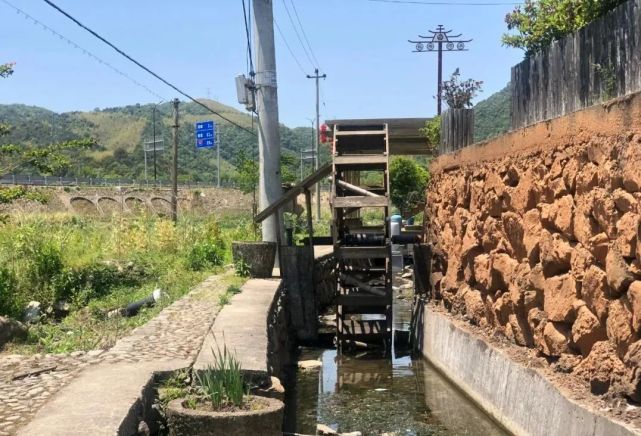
x,y
356,189
296,190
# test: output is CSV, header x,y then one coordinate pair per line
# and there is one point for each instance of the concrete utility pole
x,y
269,185
316,148
174,165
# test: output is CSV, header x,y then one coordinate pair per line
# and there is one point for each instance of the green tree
x,y
432,132
539,23
408,181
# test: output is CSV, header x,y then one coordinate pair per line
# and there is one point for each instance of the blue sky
x,y
200,46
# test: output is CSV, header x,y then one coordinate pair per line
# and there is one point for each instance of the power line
x,y
84,50
439,3
300,40
302,28
289,48
174,87
249,44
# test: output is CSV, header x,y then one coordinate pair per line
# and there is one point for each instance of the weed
x,y
224,299
242,268
233,289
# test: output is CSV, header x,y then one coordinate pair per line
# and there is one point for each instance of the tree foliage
x,y
492,115
432,132
539,23
408,181
457,93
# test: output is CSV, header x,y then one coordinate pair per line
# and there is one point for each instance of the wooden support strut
x,y
356,189
364,286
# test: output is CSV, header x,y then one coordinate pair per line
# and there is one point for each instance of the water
x,y
374,395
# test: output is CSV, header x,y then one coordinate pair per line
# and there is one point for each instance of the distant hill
x,y
121,132
492,115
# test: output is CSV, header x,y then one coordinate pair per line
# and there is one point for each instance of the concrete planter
x,y
259,257
187,422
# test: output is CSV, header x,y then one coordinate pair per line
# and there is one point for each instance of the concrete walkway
x,y
96,393
242,325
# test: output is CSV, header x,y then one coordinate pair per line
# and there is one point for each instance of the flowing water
x,y
377,394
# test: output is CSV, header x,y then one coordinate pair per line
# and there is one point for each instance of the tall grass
x,y
222,382
97,265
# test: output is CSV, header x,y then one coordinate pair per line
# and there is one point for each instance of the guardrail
x,y
38,180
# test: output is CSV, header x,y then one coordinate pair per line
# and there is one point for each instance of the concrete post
x,y
269,185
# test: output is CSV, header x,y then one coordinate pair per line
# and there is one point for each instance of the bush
x,y
9,304
205,254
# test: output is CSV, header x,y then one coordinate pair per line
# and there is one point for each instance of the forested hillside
x,y
492,115
121,132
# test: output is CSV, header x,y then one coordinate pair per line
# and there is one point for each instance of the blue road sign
x,y
205,134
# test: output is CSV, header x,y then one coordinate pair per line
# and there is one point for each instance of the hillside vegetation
x,y
121,132
492,115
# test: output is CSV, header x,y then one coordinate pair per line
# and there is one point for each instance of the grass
x,y
97,265
225,297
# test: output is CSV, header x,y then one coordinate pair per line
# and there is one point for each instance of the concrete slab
x,y
519,398
104,400
242,325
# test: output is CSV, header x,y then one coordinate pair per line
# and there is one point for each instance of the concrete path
x,y
170,340
242,325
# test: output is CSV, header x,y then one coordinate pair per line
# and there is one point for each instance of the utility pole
x,y
174,165
154,129
218,155
316,76
435,42
269,185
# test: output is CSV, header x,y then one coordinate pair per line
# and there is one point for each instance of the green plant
x,y
233,289
222,382
408,181
459,94
539,23
205,254
432,132
242,268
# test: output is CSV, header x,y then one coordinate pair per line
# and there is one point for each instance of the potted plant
x,y
219,403
252,257
457,124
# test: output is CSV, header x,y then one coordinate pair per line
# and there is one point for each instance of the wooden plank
x,y
362,252
360,132
354,300
296,190
360,201
356,160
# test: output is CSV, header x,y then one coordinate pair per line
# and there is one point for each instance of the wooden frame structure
x,y
363,252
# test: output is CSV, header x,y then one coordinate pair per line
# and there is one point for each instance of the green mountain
x,y
122,131
492,115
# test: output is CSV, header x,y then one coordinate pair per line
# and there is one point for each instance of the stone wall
x,y
280,346
536,237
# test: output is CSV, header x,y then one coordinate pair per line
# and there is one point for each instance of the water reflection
x,y
375,395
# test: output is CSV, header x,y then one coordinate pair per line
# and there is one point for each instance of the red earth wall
x,y
536,237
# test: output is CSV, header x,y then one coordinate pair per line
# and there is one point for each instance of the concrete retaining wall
x,y
519,398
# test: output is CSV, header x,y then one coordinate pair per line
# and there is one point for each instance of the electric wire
x,y
84,50
445,3
302,28
300,40
249,45
166,82
300,66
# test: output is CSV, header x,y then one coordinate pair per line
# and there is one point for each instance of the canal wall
x,y
536,239
520,398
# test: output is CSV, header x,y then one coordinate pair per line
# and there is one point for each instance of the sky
x,y
200,46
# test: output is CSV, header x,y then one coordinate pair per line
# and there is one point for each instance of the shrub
x,y
204,255
242,268
9,305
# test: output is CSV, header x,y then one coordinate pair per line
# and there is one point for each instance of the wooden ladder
x,y
362,249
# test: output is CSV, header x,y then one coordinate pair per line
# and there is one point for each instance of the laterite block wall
x,y
536,237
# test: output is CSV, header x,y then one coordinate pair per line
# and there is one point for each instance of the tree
x,y
459,94
48,159
432,132
539,23
408,181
